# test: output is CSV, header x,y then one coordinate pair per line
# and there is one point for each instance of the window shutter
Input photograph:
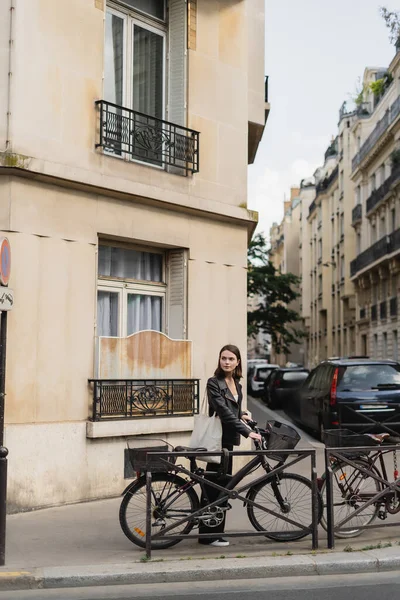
x,y
177,294
177,62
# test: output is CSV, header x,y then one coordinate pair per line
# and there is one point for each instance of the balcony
x,y
128,133
356,214
379,194
393,307
374,312
386,245
325,183
383,310
134,398
379,130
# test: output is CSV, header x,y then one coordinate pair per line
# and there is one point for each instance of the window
x,y
382,227
393,219
372,183
358,242
341,225
373,233
381,174
136,78
395,345
364,346
358,195
365,377
384,345
342,271
140,289
375,345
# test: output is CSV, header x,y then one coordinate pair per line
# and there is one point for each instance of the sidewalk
x,y
82,544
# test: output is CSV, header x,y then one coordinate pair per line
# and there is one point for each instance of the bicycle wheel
x,y
169,504
296,492
351,488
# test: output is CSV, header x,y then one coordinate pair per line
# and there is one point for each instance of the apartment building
x,y
332,247
375,269
123,192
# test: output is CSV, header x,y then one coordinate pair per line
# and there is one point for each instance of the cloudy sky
x,y
316,51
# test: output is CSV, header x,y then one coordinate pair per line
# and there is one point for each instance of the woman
x,y
225,399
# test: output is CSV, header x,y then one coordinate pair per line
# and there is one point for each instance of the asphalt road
x,y
346,587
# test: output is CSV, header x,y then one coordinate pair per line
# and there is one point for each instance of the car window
x,y
264,372
295,376
366,377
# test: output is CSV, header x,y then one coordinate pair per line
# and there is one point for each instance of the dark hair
x,y
238,371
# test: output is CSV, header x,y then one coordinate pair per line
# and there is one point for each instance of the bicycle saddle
x,y
187,449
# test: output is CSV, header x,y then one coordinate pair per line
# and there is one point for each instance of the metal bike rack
x,y
339,454
295,456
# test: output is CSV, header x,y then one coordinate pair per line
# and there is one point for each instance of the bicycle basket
x,y
280,437
142,462
345,438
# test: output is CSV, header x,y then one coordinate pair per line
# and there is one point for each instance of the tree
x,y
392,20
275,291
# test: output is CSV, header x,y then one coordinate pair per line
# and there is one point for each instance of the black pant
x,y
212,494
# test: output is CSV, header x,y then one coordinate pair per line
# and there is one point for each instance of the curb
x,y
200,570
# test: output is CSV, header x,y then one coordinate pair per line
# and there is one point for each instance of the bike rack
x,y
339,454
368,423
297,456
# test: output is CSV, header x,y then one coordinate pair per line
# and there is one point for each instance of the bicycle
x,y
174,499
356,484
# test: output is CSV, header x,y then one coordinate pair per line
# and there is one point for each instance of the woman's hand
x,y
246,417
255,436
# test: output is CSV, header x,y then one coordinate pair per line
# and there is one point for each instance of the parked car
x,y
349,393
280,386
256,376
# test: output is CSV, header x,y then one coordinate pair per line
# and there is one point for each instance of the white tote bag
x,y
207,433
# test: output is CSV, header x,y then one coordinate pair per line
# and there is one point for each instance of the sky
x,y
315,53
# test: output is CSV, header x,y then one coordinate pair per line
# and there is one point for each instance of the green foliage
x,y
379,86
276,291
392,21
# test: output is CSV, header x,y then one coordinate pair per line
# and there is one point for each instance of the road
x,y
345,587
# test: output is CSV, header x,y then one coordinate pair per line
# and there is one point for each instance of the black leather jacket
x,y
221,401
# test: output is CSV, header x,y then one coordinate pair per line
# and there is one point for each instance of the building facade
x,y
375,270
123,192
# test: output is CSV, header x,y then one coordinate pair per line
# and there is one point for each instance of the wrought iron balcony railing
x,y
138,398
386,245
378,194
126,132
376,133
356,214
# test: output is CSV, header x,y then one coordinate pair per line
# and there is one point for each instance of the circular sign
x,y
5,261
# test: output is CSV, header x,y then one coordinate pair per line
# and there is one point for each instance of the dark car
x,y
350,393
280,386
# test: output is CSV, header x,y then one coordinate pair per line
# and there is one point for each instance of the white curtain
x,y
107,313
144,312
129,264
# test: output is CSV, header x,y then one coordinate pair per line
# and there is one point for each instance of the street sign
x,y
6,298
5,261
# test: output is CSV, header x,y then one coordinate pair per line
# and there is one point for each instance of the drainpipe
x,y
10,74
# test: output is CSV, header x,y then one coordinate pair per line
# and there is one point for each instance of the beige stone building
x,y
375,269
123,192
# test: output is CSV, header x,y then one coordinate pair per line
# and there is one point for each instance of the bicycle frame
x,y
229,492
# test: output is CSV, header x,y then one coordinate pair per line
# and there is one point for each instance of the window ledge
x,y
141,426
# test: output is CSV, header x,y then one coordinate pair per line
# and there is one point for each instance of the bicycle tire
x,y
289,484
362,519
132,512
